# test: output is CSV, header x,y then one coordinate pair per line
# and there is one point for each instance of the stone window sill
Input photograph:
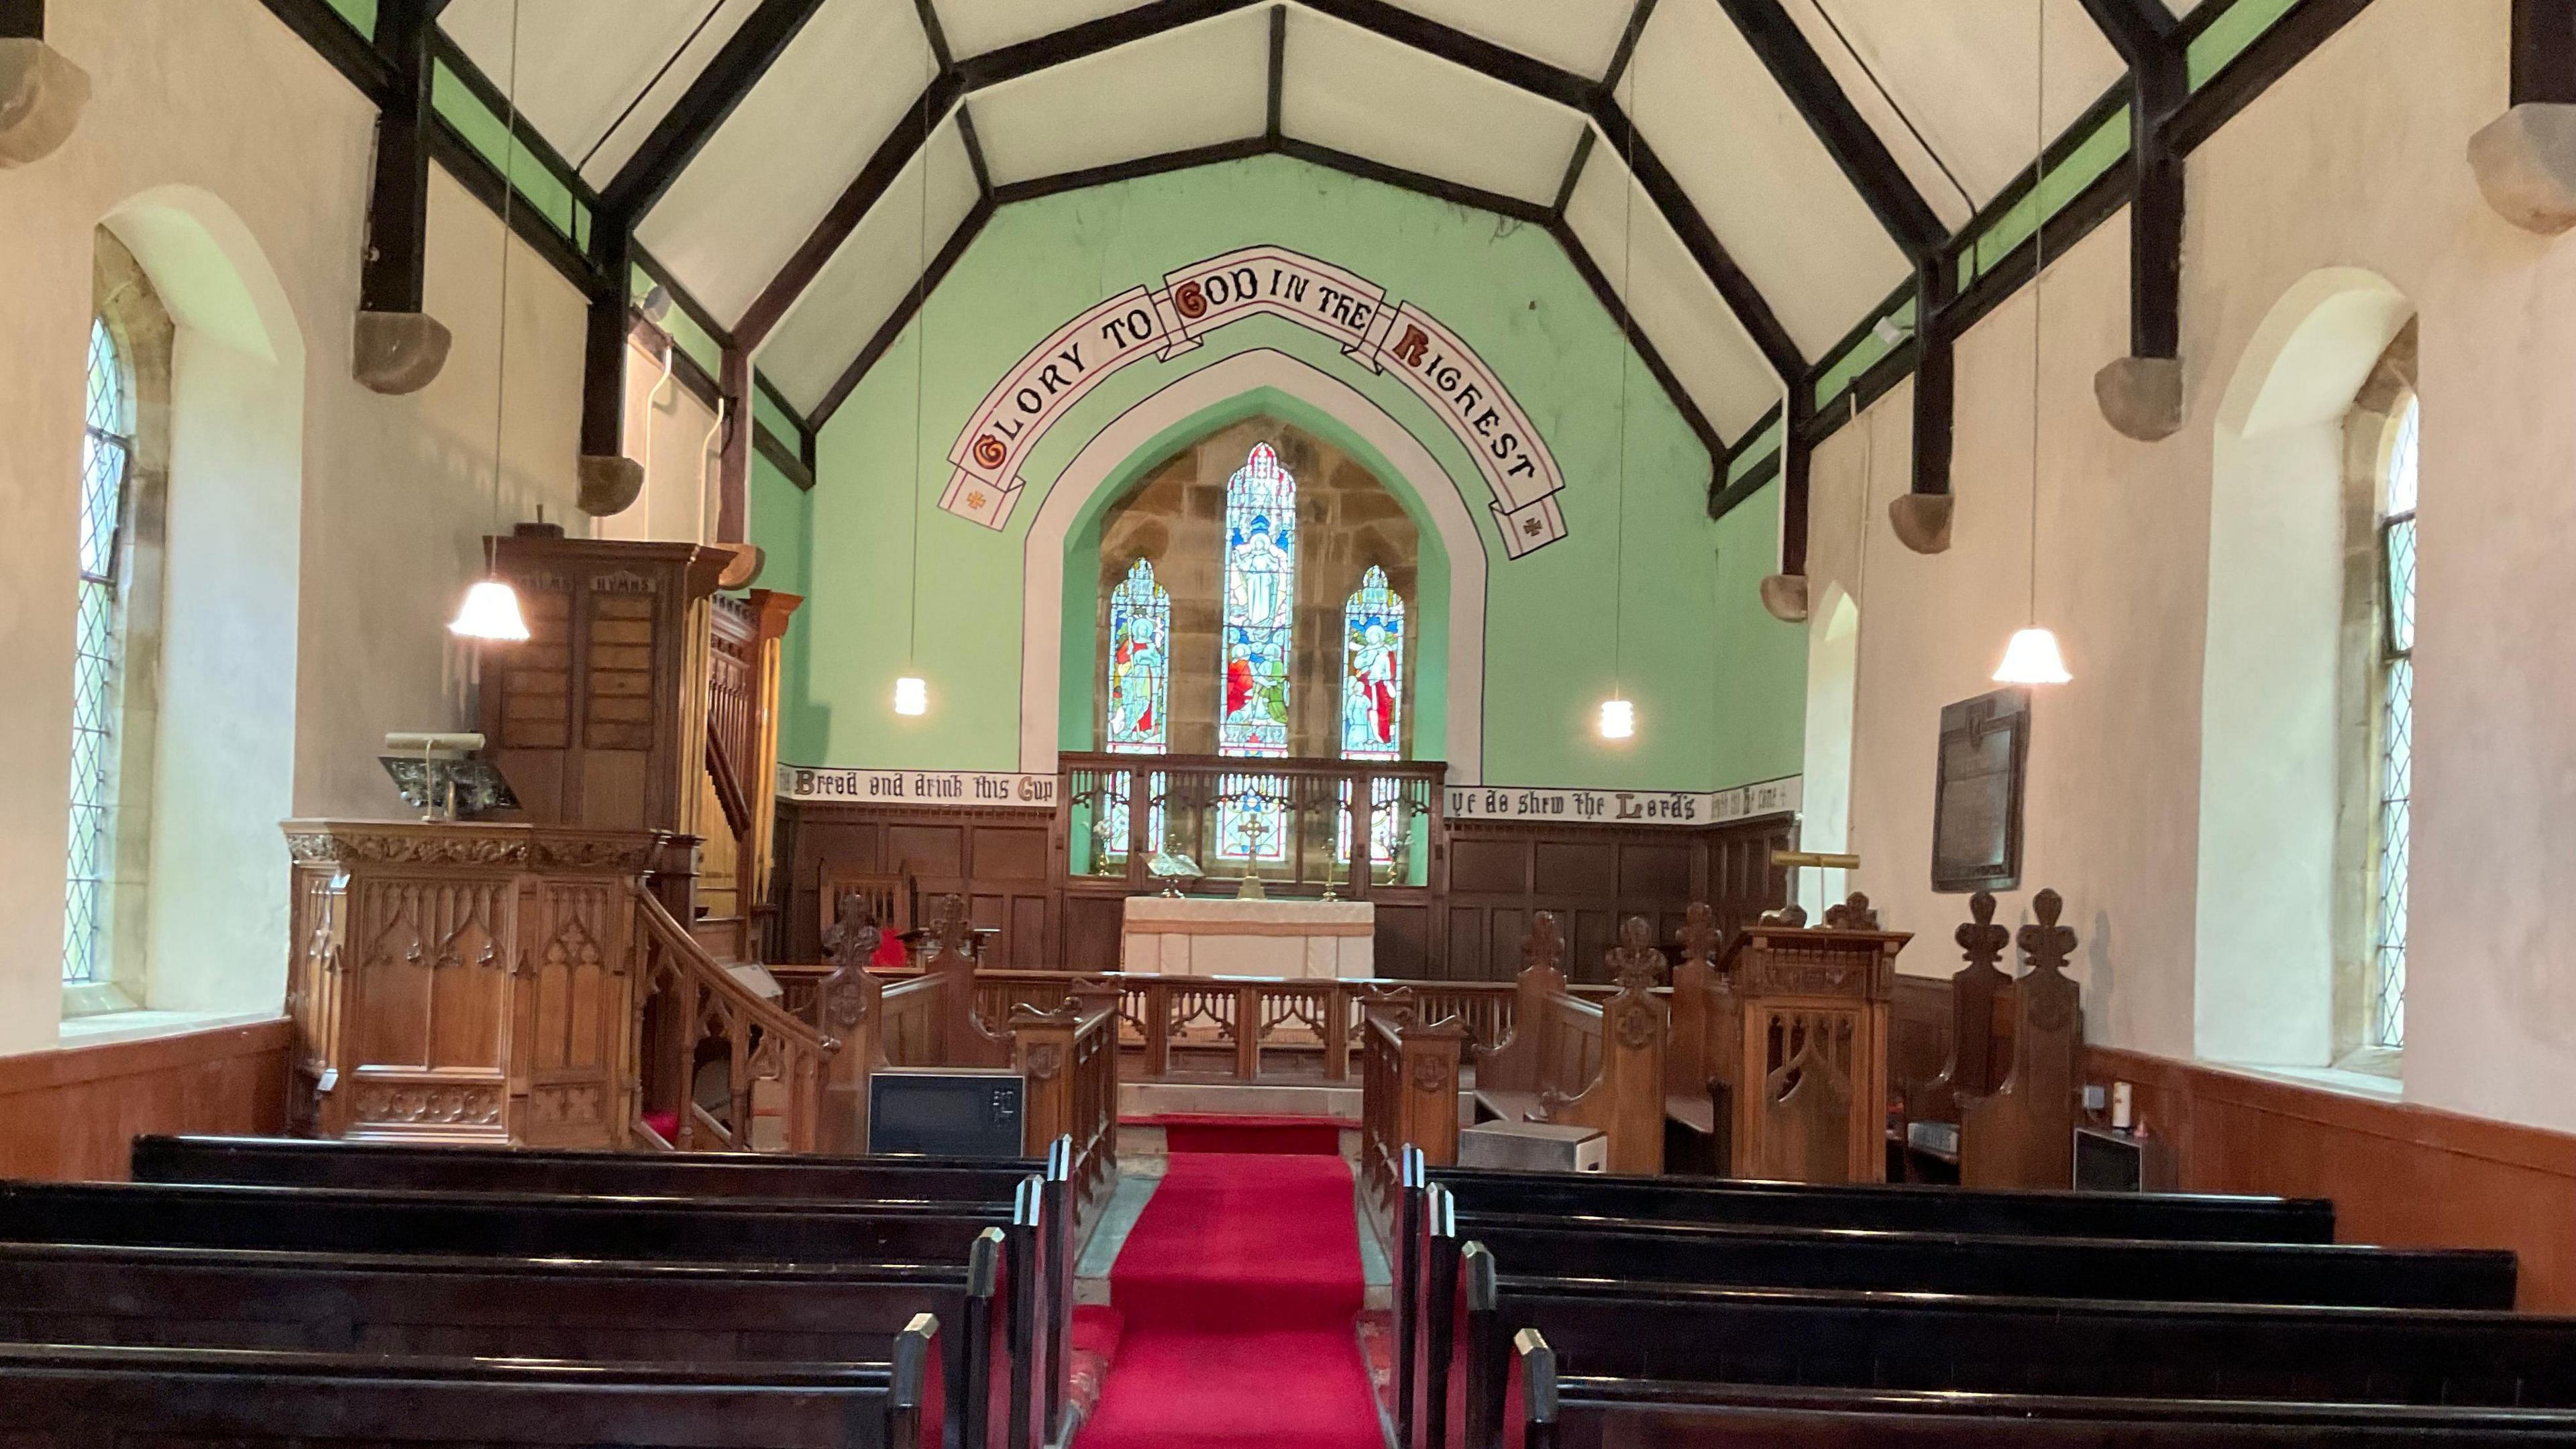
x,y
108,1028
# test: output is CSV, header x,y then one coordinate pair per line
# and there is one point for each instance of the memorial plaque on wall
x,y
1977,792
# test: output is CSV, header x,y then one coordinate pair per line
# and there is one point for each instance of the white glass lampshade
x,y
2032,658
911,695
490,611
1618,719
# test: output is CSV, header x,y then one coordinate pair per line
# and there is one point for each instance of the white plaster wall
x,y
218,95
669,438
2353,160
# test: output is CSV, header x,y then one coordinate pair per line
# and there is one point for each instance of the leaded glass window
x,y
1373,671
107,451
1260,606
2397,735
1259,627
1140,676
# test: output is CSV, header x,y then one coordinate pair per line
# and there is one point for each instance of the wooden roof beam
x,y
686,128
2141,394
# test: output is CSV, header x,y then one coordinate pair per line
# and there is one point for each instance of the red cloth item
x,y
1238,1288
890,952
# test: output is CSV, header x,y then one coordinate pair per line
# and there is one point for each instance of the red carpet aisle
x,y
1238,1286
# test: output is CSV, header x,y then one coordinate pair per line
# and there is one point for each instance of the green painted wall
x,y
1683,644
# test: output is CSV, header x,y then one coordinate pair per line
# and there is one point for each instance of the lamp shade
x,y
490,611
1618,719
911,695
2032,658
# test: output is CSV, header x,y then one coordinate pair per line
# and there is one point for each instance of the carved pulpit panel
x,y
1809,1083
464,982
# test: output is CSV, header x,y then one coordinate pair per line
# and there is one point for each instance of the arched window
x,y
107,454
2396,685
1259,628
1373,671
1140,676
1260,606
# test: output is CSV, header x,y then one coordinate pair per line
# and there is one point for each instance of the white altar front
x,y
1296,939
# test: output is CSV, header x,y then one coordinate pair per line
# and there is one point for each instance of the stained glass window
x,y
1140,676
1260,606
2397,734
1259,628
1373,671
107,448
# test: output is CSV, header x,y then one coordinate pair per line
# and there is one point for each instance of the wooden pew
x,y
658,1229
1930,1262
2062,1347
59,1397
586,1310
1547,1411
2185,1216
2022,1134
1584,1063
293,1162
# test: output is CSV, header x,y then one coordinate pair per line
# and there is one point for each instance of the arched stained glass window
x,y
1373,671
1259,629
1140,675
2393,846
1260,606
107,450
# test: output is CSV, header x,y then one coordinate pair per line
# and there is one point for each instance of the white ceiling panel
x,y
1676,307
1577,35
1194,86
1965,72
872,272
976,26
1358,92
1948,198
771,172
1769,189
583,64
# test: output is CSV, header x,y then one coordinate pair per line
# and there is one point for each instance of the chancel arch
x,y
2289,792
1079,533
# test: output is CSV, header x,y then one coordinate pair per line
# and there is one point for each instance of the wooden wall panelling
x,y
73,1113
997,859
1593,877
2399,1174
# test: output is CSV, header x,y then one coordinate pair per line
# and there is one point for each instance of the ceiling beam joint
x,y
693,120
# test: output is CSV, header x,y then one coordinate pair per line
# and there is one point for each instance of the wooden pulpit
x,y
464,982
1809,1087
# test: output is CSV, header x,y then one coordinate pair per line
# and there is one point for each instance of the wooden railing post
x,y
1427,1110
851,1015
1337,1032
1043,1052
1158,1028
1247,1033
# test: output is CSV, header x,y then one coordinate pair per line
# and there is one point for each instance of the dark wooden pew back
x,y
2055,1347
2187,1217
2151,1270
1595,1413
587,1311
54,1397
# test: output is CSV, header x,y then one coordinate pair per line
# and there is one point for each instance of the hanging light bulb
x,y
2032,658
490,611
911,695
1618,719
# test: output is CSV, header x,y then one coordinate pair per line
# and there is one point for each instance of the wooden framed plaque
x,y
1977,792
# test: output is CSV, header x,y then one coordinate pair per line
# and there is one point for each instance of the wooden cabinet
x,y
464,982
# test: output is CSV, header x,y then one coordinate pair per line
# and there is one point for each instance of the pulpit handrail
x,y
701,1000
698,963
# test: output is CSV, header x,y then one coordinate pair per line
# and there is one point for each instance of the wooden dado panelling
x,y
1592,876
997,859
2399,1174
72,1113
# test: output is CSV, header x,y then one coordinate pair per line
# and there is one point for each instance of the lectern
x,y
464,982
1808,1078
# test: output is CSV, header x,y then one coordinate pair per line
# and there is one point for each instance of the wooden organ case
x,y
464,982
1809,1073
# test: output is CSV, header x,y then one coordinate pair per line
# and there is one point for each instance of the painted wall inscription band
x,y
1624,807
917,787
1260,281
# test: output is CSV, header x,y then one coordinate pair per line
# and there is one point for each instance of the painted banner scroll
x,y
1261,281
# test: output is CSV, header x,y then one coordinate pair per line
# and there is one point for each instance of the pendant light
x,y
1618,712
490,611
911,691
2032,657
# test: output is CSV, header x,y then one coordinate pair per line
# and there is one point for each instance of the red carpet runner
x,y
1238,1286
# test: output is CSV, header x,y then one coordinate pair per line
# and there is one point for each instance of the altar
x,y
1299,940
